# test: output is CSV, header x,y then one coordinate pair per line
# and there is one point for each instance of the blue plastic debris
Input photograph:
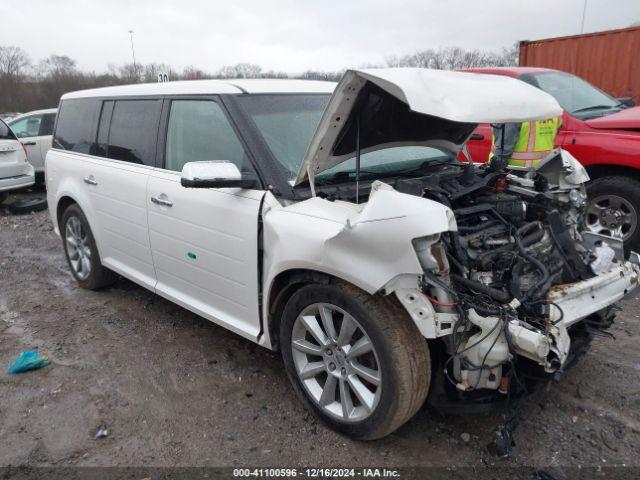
x,y
28,361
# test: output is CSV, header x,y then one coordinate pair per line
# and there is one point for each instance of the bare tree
x,y
13,61
193,73
131,73
240,70
57,67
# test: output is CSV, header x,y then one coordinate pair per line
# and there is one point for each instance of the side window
x,y
199,130
76,126
27,126
134,130
46,124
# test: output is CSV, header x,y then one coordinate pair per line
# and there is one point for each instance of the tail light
x,y
26,157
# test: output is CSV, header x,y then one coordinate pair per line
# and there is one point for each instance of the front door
x,y
205,241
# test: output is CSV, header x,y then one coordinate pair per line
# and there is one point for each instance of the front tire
x,y
614,209
358,361
81,251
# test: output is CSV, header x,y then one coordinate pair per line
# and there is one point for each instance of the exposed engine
x,y
518,238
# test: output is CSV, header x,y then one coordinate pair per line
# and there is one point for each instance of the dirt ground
x,y
174,389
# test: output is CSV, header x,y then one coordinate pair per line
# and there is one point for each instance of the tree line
x,y
27,85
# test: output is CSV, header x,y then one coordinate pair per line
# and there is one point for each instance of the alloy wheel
x,y
611,215
336,362
78,248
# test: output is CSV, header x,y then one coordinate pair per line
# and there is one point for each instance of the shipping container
x,y
609,60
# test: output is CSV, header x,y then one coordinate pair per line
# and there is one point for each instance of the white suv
x,y
15,171
34,129
381,266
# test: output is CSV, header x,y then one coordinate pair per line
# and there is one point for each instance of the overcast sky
x,y
289,35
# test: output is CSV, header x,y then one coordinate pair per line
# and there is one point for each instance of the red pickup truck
x,y
603,133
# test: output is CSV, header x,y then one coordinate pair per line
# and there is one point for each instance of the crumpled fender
x,y
367,245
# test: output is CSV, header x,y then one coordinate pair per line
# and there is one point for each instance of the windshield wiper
x,y
594,107
349,175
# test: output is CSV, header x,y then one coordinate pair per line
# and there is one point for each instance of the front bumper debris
x,y
571,303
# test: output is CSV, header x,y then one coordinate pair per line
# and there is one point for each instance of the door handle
x,y
159,200
29,143
90,180
477,136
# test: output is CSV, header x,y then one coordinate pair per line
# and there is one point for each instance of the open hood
x,y
414,106
627,119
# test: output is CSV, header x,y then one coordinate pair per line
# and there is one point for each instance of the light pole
x,y
584,14
133,53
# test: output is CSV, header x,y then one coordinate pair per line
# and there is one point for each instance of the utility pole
x,y
584,13
133,53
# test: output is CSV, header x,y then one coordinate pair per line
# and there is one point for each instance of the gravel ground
x,y
176,390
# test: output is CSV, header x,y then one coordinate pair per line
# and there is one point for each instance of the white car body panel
x,y
119,203
368,245
207,87
207,262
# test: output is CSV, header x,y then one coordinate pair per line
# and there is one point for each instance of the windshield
x,y
576,96
386,162
287,123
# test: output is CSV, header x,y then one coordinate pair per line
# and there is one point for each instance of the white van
x,y
15,171
336,223
35,129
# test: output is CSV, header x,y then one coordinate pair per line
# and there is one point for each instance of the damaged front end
x,y
512,291
522,287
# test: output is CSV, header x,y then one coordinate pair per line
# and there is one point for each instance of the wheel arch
x,y
64,202
600,170
285,284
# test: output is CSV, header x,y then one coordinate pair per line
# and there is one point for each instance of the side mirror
x,y
214,174
627,101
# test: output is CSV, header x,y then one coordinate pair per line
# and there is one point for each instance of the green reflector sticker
x,y
191,255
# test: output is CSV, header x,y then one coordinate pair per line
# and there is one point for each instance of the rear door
x,y
205,241
117,185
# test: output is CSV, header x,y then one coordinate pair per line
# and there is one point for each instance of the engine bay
x,y
518,238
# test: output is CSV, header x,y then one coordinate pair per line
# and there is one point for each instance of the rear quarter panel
x,y
65,172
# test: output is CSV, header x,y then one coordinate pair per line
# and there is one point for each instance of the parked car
x,y
15,171
34,129
380,266
603,133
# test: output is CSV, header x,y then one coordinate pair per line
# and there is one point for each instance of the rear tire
x,y
615,199
81,251
397,368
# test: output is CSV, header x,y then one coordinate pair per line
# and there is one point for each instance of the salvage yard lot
x,y
174,389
